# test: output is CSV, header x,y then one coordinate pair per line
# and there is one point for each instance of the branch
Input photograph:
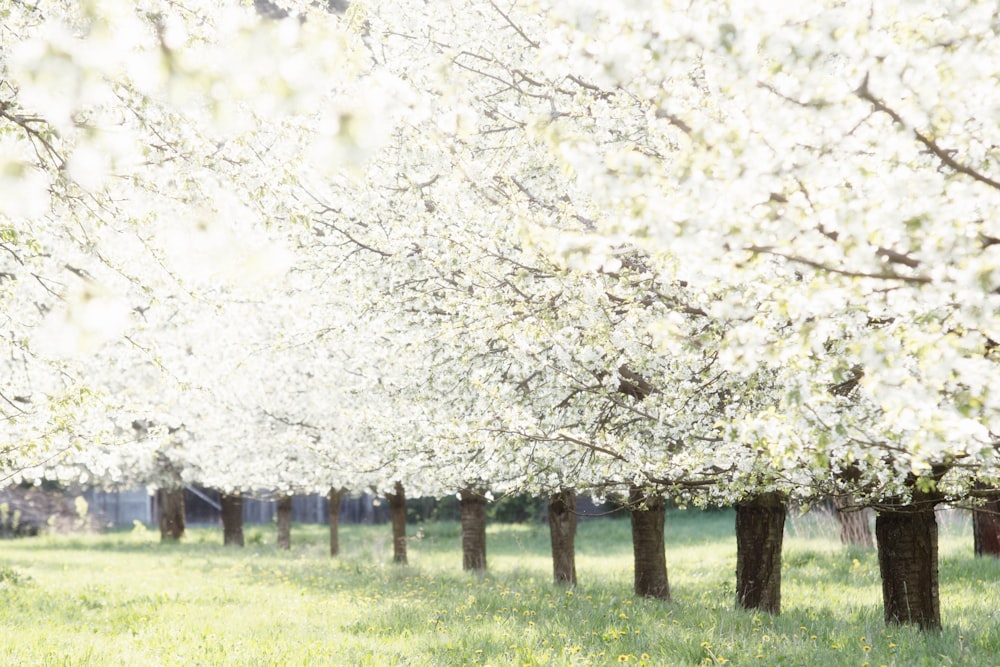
x,y
17,258
513,25
326,208
944,155
19,399
24,123
561,437
587,222
768,250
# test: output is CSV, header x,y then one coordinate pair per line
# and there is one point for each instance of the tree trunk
x,y
335,496
171,505
472,507
760,526
285,522
232,519
855,529
397,509
648,514
986,528
562,531
908,560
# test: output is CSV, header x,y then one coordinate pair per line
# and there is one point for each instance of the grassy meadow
x,y
122,598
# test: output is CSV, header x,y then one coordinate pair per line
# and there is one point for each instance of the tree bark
x,y
472,507
908,560
285,522
855,528
760,526
986,528
232,519
335,496
171,505
397,509
648,514
562,531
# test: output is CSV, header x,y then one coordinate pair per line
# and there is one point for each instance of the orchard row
x,y
733,256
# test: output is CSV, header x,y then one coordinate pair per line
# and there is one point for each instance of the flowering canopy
x,y
717,249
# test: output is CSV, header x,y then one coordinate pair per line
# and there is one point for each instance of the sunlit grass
x,y
125,599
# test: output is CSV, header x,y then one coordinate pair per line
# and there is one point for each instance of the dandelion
x,y
623,658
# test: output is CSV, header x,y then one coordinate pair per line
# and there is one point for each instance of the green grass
x,y
124,599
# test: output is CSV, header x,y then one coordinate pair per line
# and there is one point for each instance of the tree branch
x,y
864,92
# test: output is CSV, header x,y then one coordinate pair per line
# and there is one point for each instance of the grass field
x,y
125,599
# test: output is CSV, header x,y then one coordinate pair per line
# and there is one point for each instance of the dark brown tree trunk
x,y
232,519
760,527
397,509
986,528
648,514
335,496
285,522
908,560
562,531
855,528
171,505
472,507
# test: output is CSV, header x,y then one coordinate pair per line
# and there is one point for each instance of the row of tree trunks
x,y
906,537
232,519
